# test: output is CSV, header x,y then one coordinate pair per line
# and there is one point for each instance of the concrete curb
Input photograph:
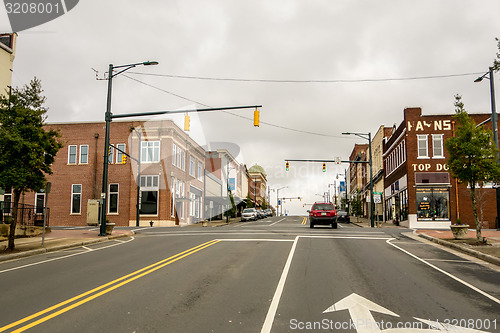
x,y
29,253
471,252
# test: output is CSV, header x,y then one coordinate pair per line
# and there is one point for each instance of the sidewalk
x,y
489,252
214,223
59,239
56,240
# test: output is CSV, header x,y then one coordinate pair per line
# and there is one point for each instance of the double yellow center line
x,y
304,220
99,291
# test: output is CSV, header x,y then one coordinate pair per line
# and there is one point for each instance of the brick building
x,y
357,181
171,174
257,184
419,191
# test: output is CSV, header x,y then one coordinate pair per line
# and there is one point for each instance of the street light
x,y
368,136
108,117
277,198
228,190
494,127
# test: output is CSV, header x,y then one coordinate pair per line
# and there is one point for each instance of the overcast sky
x,y
357,45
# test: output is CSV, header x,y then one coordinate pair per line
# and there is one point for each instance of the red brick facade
x,y
419,190
80,163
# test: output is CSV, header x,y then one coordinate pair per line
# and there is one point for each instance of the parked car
x,y
343,216
261,213
249,214
323,213
268,212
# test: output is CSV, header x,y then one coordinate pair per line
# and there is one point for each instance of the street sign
x,y
342,186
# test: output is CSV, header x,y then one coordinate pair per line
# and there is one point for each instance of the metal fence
x,y
26,214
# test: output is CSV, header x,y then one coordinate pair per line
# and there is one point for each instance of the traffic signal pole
x,y
109,117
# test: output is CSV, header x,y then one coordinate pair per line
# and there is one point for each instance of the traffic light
x,y
287,166
324,167
124,159
256,118
186,122
300,198
109,150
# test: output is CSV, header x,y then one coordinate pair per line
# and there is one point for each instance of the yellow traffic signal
x,y
109,150
287,166
324,167
186,122
256,118
124,159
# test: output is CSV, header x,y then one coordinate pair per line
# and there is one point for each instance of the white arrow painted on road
x,y
360,310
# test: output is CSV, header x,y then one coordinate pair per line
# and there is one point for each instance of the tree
x,y
472,156
496,62
231,211
264,203
249,201
356,204
26,149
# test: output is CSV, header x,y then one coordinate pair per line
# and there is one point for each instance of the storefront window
x,y
433,204
149,195
403,201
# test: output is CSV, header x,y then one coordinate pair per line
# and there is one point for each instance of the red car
x,y
323,213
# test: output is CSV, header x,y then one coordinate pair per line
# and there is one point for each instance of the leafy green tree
x,y
343,203
496,62
26,149
264,204
356,204
232,211
472,156
249,201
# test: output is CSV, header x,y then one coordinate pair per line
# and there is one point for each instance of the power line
x,y
230,113
165,91
428,77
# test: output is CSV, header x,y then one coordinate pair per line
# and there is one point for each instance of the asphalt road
x,y
273,275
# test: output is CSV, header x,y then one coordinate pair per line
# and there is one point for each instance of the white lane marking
x,y
271,313
451,260
494,299
345,237
63,257
264,231
330,236
411,243
276,222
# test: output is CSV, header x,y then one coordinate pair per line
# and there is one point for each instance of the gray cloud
x,y
285,39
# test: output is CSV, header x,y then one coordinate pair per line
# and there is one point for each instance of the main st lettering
x,y
427,167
